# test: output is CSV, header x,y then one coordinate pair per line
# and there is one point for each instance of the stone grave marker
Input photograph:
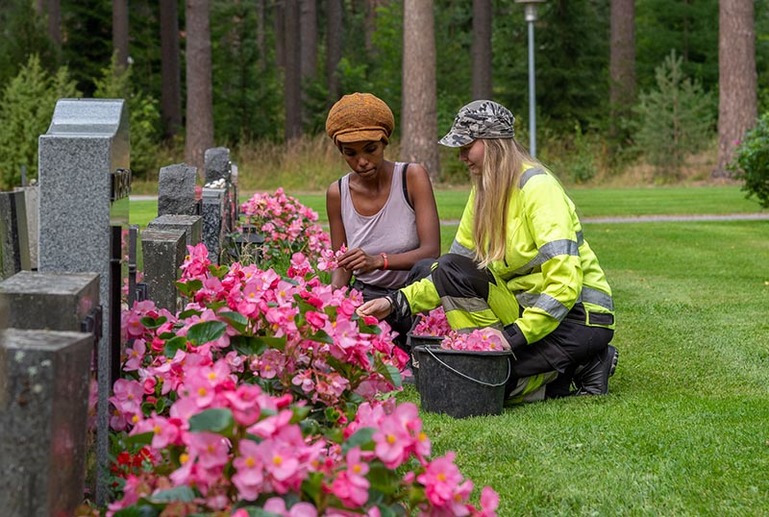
x,y
85,179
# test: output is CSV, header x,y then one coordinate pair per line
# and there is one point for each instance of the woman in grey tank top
x,y
383,212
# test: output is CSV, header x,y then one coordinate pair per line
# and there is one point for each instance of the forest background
x,y
627,91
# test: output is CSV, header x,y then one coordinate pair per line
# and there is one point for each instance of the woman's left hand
x,y
358,260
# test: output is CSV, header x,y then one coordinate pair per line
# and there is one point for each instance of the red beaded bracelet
x,y
384,258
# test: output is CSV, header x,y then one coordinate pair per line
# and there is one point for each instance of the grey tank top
x,y
392,230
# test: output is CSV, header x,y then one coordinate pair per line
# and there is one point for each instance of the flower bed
x,y
268,395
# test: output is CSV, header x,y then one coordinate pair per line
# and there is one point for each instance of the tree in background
x,y
292,79
334,44
675,119
200,122
170,71
419,120
23,34
568,56
86,40
686,26
481,50
120,32
116,82
737,109
26,109
622,88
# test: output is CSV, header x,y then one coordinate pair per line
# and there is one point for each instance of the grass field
x,y
685,428
593,202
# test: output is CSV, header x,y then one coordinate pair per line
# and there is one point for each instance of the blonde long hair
x,y
503,160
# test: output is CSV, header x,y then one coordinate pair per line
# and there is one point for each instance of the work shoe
x,y
592,378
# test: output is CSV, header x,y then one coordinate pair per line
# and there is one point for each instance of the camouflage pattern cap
x,y
480,119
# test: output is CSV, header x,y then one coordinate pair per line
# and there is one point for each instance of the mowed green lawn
x,y
685,428
592,202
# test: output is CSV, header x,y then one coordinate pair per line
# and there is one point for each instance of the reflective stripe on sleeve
x,y
545,303
596,297
550,250
453,303
458,249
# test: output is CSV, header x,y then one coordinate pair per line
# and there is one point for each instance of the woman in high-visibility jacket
x,y
519,264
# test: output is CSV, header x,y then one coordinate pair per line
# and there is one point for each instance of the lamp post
x,y
530,14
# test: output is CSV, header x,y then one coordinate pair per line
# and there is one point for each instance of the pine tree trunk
x,y
54,22
622,88
419,119
334,47
309,38
261,45
292,82
481,50
737,104
170,72
120,32
200,123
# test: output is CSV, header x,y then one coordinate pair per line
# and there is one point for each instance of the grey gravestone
x,y
54,301
43,420
164,252
217,164
176,190
214,213
84,187
32,200
191,224
14,237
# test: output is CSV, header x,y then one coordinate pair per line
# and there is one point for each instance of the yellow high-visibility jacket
x,y
548,265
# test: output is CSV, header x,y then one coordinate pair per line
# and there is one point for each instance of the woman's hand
x,y
358,260
379,308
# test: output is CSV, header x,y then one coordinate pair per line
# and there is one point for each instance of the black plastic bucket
x,y
415,341
461,383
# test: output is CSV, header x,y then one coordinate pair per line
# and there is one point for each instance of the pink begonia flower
x,y
132,324
271,363
434,323
351,485
392,441
165,431
127,396
272,425
277,506
300,266
135,355
304,380
489,502
441,478
211,449
316,319
196,263
248,477
244,402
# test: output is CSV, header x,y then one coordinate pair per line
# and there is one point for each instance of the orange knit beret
x,y
360,117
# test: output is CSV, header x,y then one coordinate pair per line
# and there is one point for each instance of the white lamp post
x,y
530,14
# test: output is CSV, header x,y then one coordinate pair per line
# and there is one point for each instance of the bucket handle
x,y
482,383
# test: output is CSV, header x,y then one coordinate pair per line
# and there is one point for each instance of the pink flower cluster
x,y
287,226
479,340
289,335
434,323
328,258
